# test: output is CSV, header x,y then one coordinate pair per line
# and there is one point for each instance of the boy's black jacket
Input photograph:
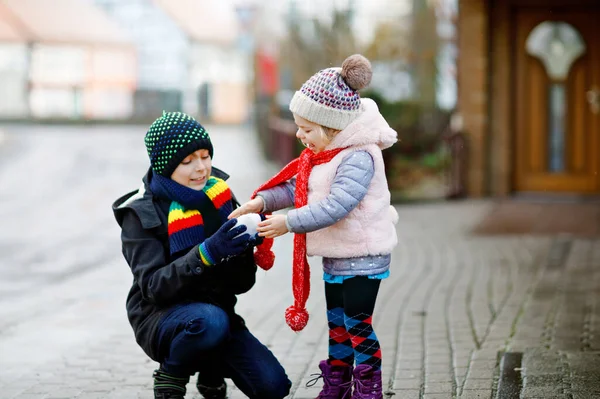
x,y
160,280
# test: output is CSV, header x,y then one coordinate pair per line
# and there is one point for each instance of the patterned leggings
x,y
349,314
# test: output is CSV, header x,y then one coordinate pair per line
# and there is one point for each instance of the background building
x,y
78,62
529,95
189,58
14,58
161,49
219,71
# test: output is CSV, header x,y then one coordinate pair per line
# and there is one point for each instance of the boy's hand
x,y
256,240
227,241
273,226
253,206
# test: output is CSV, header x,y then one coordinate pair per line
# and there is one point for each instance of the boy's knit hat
x,y
171,138
330,97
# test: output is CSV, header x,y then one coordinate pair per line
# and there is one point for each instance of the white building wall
x,y
227,73
162,47
214,63
58,65
57,76
111,82
82,82
13,80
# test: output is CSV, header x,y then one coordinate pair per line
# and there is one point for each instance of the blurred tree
x,y
314,44
424,50
390,42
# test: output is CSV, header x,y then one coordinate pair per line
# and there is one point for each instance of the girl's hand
x,y
273,226
253,206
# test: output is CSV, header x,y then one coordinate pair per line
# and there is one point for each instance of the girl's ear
x,y
328,133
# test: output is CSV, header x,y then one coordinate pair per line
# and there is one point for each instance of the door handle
x,y
593,98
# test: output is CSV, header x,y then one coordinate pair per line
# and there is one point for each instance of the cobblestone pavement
x,y
461,316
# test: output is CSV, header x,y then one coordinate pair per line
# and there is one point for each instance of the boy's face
x,y
310,134
194,170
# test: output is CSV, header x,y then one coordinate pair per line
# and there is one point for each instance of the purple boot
x,y
367,383
337,381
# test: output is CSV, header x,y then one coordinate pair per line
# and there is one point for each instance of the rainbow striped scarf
x,y
185,222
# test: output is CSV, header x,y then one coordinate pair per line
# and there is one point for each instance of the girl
x,y
188,266
342,213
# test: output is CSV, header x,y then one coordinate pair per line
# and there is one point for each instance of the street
x,y
454,304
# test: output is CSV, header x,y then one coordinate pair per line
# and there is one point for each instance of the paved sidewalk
x,y
461,316
453,302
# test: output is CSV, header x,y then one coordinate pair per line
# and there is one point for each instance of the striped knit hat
x,y
171,138
330,97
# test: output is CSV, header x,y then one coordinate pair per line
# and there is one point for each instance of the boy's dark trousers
x,y
197,337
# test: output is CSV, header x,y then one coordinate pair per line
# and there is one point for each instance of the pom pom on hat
x,y
330,97
357,72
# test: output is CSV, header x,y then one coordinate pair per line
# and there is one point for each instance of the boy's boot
x,y
337,381
367,383
167,386
210,387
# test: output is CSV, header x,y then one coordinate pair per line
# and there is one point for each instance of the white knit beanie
x,y
330,97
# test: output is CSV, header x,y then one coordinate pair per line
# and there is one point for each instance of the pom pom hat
x,y
330,97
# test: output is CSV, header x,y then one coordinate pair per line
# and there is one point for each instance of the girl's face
x,y
310,134
194,170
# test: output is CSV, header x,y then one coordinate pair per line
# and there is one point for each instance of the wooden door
x,y
557,101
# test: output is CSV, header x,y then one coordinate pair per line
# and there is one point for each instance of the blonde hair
x,y
328,133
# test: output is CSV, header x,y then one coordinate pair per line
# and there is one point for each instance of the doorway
x,y
556,101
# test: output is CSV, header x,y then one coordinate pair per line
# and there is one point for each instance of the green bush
x,y
420,127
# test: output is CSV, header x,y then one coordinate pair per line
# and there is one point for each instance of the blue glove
x,y
256,240
224,243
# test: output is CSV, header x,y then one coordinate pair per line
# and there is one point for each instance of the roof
x,y
63,21
8,32
212,21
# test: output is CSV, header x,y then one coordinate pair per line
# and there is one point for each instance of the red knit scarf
x,y
296,315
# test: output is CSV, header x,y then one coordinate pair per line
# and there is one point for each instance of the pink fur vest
x,y
369,229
